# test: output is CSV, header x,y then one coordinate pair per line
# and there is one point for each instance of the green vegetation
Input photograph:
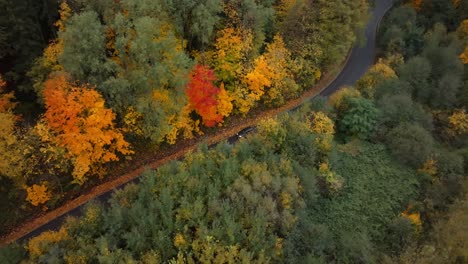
x,y
353,226
130,77
375,174
247,202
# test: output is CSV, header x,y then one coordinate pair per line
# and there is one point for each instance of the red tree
x,y
203,94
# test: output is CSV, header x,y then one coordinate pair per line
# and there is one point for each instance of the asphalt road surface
x,y
362,56
360,59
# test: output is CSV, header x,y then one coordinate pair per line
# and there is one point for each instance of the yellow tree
x,y
11,163
183,124
82,124
324,128
337,100
458,123
271,77
464,56
55,48
225,99
462,32
429,167
38,194
48,62
40,244
413,216
375,75
283,7
231,48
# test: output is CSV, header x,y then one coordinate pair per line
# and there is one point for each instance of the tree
x,y
391,87
25,29
319,25
225,99
42,244
38,194
324,127
401,33
458,122
232,47
360,118
410,144
462,33
11,149
417,72
131,52
271,77
84,54
195,21
83,125
256,17
397,109
339,99
445,93
202,95
447,239
439,11
49,61
377,73
416,4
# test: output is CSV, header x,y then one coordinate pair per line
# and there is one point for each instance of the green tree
x,y
417,72
256,17
394,86
195,21
360,119
401,33
25,29
130,52
319,34
377,74
399,109
410,144
84,54
447,239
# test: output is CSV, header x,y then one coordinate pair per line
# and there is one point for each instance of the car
x,y
233,139
245,131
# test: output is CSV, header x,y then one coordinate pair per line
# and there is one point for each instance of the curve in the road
x,y
359,60
362,56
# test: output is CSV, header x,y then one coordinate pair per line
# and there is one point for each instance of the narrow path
x,y
357,63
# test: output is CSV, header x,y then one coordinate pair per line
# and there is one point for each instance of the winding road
x,y
362,56
359,60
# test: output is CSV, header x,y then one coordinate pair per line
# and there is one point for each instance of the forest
x,y
89,85
376,173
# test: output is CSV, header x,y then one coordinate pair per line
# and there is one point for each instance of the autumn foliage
x,y
202,95
271,77
458,123
416,4
38,194
82,124
6,103
11,155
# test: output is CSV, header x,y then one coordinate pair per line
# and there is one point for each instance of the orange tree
x,y
81,123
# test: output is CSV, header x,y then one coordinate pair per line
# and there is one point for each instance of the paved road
x,y
361,58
